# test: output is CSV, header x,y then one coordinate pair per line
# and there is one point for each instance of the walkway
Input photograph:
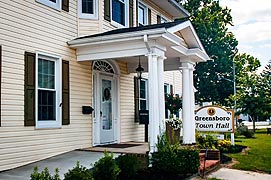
x,y
63,162
233,174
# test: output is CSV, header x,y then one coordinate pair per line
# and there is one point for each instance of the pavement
x,y
63,162
233,174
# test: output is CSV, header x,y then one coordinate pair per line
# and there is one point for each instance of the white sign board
x,y
214,118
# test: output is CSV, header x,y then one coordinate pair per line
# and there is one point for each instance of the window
x,y
119,12
166,91
143,94
88,9
163,20
48,92
51,3
142,15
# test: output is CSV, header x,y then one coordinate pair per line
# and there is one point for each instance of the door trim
x,y
96,96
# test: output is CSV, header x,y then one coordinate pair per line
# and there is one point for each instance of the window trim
x,y
146,93
126,20
141,4
85,15
163,19
167,85
58,88
51,4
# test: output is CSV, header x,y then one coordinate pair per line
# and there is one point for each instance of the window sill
x,y
88,16
117,25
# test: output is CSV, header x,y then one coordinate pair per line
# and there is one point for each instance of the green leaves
x,y
211,21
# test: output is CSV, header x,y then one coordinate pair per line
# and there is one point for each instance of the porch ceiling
x,y
178,40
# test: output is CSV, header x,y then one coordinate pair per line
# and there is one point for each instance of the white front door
x,y
106,103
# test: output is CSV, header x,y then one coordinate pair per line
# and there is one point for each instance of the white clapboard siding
x,y
129,131
31,26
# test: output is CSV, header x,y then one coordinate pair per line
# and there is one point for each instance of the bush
x,y
129,165
174,159
206,141
106,168
243,130
44,175
224,145
78,173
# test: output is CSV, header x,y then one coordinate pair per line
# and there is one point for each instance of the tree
x,y
210,21
253,92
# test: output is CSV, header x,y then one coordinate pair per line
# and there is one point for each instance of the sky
x,y
252,27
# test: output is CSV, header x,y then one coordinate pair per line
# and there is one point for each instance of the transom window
x,y
143,94
88,9
119,12
48,91
103,66
142,14
51,3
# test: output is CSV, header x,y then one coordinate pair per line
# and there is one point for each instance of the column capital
x,y
187,65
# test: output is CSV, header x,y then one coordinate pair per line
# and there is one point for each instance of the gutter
x,y
115,37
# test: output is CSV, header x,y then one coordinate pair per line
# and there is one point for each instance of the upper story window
x,y
163,20
51,3
142,14
119,12
88,9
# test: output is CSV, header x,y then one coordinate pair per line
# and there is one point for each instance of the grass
x,y
258,156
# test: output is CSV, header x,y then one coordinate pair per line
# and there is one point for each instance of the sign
x,y
214,118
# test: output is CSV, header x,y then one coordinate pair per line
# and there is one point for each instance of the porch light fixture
x,y
139,69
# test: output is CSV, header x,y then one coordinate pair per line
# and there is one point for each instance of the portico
x,y
161,47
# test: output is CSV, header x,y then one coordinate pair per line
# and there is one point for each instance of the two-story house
x,y
60,59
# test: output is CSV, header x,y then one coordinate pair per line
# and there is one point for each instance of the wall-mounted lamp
x,y
139,69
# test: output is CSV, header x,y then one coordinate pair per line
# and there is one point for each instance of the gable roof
x,y
134,29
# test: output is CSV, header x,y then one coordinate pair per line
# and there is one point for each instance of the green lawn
x,y
258,157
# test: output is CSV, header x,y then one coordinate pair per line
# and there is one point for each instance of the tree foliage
x,y
253,90
210,21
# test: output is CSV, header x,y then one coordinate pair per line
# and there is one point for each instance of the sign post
x,y
215,119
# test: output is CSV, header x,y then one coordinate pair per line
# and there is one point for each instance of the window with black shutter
x,y
43,102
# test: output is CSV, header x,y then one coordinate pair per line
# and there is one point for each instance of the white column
x,y
153,102
161,96
186,112
192,105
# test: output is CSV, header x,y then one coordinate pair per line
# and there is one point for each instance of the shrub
x,y
44,175
78,173
106,168
174,159
206,141
243,130
224,145
129,165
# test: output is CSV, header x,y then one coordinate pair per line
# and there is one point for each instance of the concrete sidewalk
x,y
63,162
233,174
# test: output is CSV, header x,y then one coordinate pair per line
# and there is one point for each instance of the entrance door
x,y
106,109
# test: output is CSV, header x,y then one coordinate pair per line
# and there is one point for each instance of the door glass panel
x,y
106,105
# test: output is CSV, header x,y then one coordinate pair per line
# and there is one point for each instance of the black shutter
x,y
171,89
65,5
107,12
131,13
29,89
158,19
65,93
0,81
136,96
149,16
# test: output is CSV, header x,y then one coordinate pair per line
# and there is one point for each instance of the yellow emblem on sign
x,y
211,111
